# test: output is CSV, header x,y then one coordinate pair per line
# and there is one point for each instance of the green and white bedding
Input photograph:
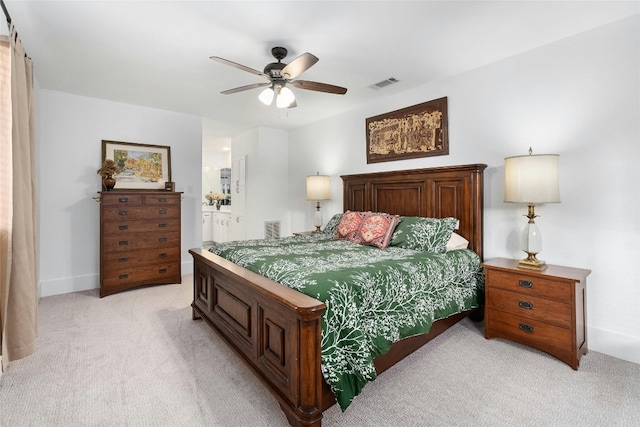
x,y
374,297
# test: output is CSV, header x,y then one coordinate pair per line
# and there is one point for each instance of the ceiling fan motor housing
x,y
273,69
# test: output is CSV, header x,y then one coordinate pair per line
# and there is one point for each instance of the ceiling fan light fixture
x,y
266,96
285,97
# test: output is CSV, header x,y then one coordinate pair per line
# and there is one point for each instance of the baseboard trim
x,y
67,285
621,346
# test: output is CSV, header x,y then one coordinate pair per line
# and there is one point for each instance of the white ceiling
x,y
156,53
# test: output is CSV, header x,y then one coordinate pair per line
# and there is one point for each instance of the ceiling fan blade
x,y
243,88
318,87
298,66
240,67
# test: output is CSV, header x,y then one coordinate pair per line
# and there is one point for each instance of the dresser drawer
x,y
119,213
535,333
529,306
140,241
525,284
115,199
151,274
127,227
114,261
161,199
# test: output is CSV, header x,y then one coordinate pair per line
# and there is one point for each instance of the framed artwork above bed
x,y
140,166
417,131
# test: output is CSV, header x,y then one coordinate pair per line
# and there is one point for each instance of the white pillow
x,y
457,242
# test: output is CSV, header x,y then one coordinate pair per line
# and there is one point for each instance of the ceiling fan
x,y
279,76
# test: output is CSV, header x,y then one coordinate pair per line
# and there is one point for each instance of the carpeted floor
x,y
137,359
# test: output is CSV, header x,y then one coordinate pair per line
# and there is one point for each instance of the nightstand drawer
x,y
529,306
526,284
541,335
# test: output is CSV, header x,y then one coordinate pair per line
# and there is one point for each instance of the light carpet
x,y
137,359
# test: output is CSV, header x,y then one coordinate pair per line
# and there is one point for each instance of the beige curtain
x,y
18,281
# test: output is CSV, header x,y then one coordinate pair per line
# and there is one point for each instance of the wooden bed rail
x,y
275,329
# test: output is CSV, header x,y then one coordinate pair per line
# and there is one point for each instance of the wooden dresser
x,y
139,239
542,309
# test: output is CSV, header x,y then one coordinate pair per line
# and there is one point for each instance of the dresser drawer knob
x,y
525,284
123,227
123,259
123,276
162,225
123,199
162,239
526,328
162,270
162,211
162,255
123,213
526,305
123,242
162,199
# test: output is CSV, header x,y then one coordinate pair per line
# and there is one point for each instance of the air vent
x,y
272,229
385,83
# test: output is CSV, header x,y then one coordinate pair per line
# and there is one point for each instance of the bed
x,y
278,330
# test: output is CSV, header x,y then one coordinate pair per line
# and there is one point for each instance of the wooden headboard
x,y
450,191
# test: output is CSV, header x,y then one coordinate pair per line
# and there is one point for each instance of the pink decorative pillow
x,y
376,229
349,225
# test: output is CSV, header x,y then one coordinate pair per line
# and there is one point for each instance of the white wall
x,y
70,130
578,98
267,185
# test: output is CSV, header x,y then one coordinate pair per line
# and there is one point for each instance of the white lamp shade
x,y
318,187
285,97
531,179
266,96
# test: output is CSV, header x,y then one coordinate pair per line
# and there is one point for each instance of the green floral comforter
x,y
374,297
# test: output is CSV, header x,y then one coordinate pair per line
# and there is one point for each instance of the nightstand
x,y
304,233
545,309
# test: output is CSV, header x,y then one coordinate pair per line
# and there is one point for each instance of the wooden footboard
x,y
274,328
277,331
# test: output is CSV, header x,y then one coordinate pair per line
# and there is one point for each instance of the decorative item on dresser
x,y
139,239
107,171
546,309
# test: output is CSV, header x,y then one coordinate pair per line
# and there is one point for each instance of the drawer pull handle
x,y
162,270
525,284
162,211
162,239
123,242
123,227
162,199
123,213
162,225
526,305
526,328
123,199
162,255
123,259
123,276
